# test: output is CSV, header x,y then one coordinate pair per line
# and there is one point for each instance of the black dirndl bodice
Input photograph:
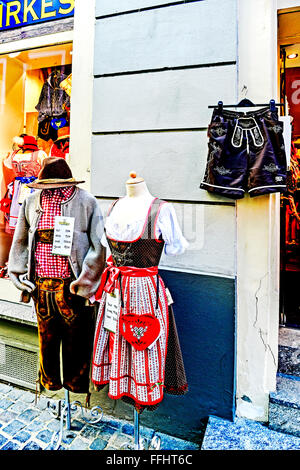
x,y
144,252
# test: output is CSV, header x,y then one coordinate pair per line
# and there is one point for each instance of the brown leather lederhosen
x,y
65,328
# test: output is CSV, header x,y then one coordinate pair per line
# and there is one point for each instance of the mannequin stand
x,y
141,443
63,411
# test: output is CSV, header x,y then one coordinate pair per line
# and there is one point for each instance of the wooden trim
x,y
37,42
38,30
285,11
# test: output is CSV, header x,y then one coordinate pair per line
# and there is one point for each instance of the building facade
x,y
144,74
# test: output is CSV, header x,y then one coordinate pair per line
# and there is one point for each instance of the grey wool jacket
x,y
87,257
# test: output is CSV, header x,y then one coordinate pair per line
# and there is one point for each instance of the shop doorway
x,y
35,101
289,80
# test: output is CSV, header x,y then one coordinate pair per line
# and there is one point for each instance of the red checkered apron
x,y
138,374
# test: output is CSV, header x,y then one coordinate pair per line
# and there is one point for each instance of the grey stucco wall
x,y
157,68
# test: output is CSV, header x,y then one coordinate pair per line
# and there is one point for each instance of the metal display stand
x,y
141,443
63,410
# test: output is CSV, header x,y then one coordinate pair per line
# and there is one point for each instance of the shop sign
x,y
17,13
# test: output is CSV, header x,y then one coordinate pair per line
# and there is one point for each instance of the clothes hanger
x,y
55,73
55,76
245,102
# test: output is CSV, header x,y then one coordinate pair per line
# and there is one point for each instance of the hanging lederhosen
x,y
245,154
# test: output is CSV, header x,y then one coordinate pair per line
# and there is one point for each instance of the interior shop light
x,y
14,54
292,56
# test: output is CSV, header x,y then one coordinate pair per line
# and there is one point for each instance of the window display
x,y
35,100
290,202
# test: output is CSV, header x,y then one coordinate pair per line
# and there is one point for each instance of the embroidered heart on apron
x,y
139,330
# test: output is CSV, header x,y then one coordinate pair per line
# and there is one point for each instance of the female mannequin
x,y
26,162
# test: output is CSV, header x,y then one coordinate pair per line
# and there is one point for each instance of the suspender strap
x,y
157,290
121,292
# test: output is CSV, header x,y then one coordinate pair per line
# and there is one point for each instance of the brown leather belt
x,y
45,236
53,284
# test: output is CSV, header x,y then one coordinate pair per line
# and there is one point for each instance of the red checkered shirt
x,y
48,265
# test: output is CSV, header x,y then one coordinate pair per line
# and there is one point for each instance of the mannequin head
x,y
136,186
135,204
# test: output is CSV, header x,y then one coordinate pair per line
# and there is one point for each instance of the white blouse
x,y
166,225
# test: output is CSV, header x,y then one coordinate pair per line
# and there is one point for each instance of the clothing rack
x,y
246,103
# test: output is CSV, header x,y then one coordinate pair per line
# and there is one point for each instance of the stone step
x,y
289,360
289,351
284,406
284,419
243,434
287,391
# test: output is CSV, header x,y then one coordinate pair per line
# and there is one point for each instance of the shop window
x,y
290,201
35,101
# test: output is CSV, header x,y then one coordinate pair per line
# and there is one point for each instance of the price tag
x,y
63,235
169,297
112,308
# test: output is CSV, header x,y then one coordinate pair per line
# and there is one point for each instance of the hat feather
x,y
18,141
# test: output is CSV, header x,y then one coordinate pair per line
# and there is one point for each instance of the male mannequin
x,y
60,284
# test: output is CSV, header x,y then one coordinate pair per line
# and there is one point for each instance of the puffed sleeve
x,y
167,225
104,241
41,156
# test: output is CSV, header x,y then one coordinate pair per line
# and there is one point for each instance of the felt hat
x,y
55,173
63,133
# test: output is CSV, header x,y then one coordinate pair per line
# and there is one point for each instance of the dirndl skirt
x,y
139,377
17,186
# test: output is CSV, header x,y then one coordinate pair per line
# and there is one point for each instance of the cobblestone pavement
x,y
27,424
